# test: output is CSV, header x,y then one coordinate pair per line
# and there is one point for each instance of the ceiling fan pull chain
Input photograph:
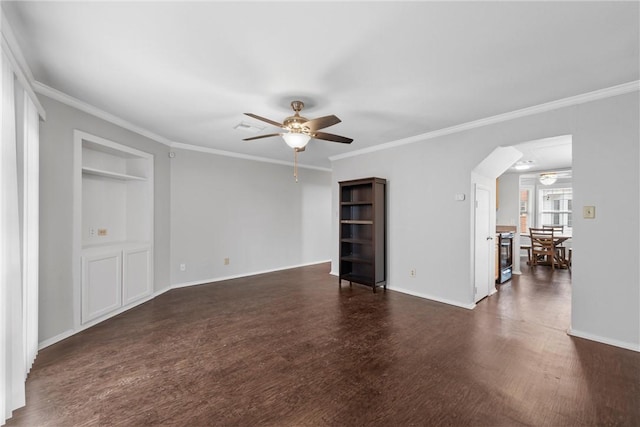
x,y
295,164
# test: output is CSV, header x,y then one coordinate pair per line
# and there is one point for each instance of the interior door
x,y
484,240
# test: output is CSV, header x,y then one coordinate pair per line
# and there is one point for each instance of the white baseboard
x,y
433,298
237,276
604,340
70,332
57,338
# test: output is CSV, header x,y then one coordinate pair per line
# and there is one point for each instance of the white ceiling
x,y
389,70
547,154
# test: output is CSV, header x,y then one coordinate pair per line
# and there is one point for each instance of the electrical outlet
x,y
226,261
92,231
183,267
412,273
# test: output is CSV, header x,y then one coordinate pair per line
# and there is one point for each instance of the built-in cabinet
x,y
363,232
116,225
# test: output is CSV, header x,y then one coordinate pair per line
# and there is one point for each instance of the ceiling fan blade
x,y
321,122
262,136
331,137
271,122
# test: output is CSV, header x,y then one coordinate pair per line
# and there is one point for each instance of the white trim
x,y
76,247
94,111
57,338
79,135
76,231
237,276
616,343
529,111
470,306
82,327
536,109
243,156
19,65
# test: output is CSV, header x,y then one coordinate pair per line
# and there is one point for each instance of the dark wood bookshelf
x,y
363,232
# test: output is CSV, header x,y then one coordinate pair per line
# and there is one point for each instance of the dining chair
x,y
543,248
557,231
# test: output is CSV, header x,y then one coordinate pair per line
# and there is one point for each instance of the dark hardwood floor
x,y
291,349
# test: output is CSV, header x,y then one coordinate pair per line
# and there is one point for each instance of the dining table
x,y
560,257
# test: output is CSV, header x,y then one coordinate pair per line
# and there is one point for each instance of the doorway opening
x,y
519,200
537,191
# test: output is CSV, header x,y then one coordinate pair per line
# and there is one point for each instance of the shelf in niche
x,y
356,221
356,203
356,258
358,241
109,174
118,244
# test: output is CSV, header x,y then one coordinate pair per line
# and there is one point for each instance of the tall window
x,y
555,207
526,209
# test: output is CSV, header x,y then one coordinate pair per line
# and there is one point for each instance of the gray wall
x,y
207,208
606,174
56,206
253,213
427,229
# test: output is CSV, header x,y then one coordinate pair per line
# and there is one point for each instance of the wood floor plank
x,y
290,348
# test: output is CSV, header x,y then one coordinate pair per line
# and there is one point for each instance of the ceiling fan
x,y
299,130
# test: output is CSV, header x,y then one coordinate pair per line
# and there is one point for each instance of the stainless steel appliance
x,y
505,254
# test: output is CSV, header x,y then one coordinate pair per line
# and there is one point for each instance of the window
x,y
555,207
526,209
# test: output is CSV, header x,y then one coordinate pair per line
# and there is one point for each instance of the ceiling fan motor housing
x,y
295,123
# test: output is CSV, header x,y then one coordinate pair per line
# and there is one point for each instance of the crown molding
x,y
529,111
243,156
95,111
19,65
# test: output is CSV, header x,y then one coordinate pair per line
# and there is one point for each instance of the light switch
x,y
589,212
459,197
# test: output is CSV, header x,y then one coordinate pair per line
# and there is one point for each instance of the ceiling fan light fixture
x,y
296,139
523,165
548,178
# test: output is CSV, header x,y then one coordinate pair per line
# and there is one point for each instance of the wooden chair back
x,y
542,246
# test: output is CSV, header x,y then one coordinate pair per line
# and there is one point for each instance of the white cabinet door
x,y
101,284
137,274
